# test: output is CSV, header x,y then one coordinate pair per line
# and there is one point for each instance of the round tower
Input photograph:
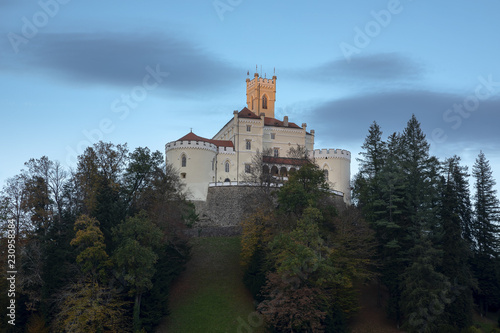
x,y
336,163
194,158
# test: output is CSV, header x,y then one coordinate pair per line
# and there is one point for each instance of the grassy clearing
x,y
210,296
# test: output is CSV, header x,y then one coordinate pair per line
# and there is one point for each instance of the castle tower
x,y
261,95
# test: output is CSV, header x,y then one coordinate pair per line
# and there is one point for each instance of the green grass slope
x,y
209,296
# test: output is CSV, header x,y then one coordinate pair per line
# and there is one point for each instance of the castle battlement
x,y
251,83
330,153
226,150
191,145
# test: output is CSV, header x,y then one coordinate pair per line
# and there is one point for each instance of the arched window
x,y
226,166
264,102
183,160
325,171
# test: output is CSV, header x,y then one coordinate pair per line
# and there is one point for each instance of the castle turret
x,y
261,95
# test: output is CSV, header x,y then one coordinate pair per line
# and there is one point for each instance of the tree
x,y
138,240
90,307
89,243
89,304
14,197
367,187
139,174
455,216
292,309
420,181
99,180
487,209
486,231
304,187
425,291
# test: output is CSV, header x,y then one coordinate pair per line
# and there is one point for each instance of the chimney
x,y
285,121
304,125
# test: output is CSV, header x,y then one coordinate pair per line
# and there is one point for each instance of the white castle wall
x,y
338,164
198,170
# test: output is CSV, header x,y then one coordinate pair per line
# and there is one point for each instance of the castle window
x,y
264,102
226,166
249,128
273,136
213,164
325,171
276,152
248,144
183,175
247,168
183,160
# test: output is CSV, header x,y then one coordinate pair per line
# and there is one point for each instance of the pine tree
x,y
487,209
425,291
420,172
486,233
455,214
367,187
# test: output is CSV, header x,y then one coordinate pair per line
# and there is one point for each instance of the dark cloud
x,y
348,119
376,67
121,59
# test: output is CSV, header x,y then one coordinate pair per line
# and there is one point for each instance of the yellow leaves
x,y
90,307
90,241
255,232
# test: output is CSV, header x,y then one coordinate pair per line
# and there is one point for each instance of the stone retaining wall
x,y
227,205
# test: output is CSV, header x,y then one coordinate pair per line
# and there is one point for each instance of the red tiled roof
x,y
284,160
268,121
246,113
219,143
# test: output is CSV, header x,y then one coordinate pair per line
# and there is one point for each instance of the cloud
x,y
348,119
386,67
122,58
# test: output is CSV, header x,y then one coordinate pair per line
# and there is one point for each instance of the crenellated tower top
x,y
261,95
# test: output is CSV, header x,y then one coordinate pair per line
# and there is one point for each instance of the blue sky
x,y
145,73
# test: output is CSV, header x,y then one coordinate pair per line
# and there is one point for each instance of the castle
x,y
226,158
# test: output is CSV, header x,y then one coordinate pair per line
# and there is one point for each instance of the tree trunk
x,y
137,312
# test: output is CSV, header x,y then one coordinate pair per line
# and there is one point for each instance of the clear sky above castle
x,y
73,72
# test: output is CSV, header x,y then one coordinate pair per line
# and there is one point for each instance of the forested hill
x,y
415,230
96,249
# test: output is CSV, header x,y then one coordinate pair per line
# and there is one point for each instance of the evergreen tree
x,y
486,233
455,214
420,171
487,209
425,291
367,187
